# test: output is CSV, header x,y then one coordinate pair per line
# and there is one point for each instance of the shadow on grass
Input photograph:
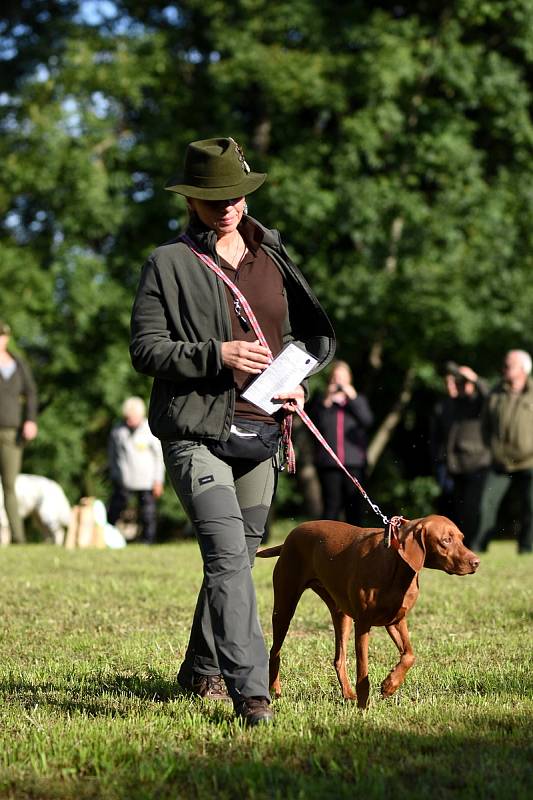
x,y
355,759
369,765
309,757
94,696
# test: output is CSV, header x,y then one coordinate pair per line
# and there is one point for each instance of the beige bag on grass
x,y
84,530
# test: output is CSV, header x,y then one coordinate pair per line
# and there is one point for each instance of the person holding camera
x,y
343,417
461,456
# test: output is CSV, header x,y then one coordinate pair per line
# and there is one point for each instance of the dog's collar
x,y
390,534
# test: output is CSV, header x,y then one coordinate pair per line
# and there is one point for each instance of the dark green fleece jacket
x,y
179,320
18,397
508,427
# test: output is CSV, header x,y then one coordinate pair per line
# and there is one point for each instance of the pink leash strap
x,y
390,536
390,524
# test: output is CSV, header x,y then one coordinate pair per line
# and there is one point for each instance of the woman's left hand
x,y
293,399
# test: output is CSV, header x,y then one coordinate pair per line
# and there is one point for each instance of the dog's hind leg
x,y
342,625
400,636
361,654
287,593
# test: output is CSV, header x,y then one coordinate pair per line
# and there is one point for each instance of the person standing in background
x,y
508,429
343,417
18,425
460,455
136,467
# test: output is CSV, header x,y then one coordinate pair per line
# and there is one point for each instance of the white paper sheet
x,y
288,369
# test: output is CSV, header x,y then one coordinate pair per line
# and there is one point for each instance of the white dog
x,y
42,499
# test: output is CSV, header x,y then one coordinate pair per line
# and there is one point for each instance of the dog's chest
x,y
382,604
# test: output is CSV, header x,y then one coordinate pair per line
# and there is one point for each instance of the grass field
x,y
91,642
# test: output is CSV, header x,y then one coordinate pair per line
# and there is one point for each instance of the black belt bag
x,y
250,440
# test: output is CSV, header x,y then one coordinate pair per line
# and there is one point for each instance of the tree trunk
x,y
391,264
383,434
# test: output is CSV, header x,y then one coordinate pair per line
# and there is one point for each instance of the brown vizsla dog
x,y
360,579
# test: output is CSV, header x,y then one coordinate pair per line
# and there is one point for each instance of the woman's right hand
x,y
249,357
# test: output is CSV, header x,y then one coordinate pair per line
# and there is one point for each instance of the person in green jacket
x,y
508,429
460,454
18,425
191,333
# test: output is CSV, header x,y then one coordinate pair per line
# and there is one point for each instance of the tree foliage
x,y
397,139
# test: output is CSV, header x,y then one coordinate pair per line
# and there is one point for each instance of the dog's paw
x,y
389,686
349,694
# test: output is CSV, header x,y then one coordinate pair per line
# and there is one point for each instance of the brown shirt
x,y
261,282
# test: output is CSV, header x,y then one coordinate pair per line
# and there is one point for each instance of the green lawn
x,y
91,642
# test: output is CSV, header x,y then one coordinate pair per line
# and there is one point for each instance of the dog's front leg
x,y
362,687
400,636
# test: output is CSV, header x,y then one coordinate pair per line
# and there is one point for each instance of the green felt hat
x,y
215,169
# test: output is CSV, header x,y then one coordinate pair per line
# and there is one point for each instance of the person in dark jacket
x,y
507,424
191,333
343,417
18,415
460,454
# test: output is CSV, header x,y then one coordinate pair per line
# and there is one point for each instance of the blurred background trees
x,y
397,139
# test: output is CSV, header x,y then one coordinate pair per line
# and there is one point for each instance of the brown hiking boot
x,y
210,687
254,711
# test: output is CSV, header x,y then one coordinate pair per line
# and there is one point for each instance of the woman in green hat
x,y
212,309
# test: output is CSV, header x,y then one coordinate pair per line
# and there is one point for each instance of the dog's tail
x,y
270,552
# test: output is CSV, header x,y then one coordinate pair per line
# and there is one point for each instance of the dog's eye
x,y
446,541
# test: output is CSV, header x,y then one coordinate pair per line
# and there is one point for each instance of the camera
x,y
451,368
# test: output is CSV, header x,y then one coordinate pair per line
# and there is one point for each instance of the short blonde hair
x,y
133,405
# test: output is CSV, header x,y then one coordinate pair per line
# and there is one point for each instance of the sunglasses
x,y
232,201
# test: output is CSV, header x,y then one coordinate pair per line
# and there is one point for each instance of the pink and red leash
x,y
391,523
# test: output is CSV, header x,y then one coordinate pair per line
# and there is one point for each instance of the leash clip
x,y
390,537
387,534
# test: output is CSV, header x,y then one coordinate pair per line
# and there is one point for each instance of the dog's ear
x,y
411,538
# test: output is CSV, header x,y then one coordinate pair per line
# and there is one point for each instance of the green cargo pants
x,y
228,505
10,463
